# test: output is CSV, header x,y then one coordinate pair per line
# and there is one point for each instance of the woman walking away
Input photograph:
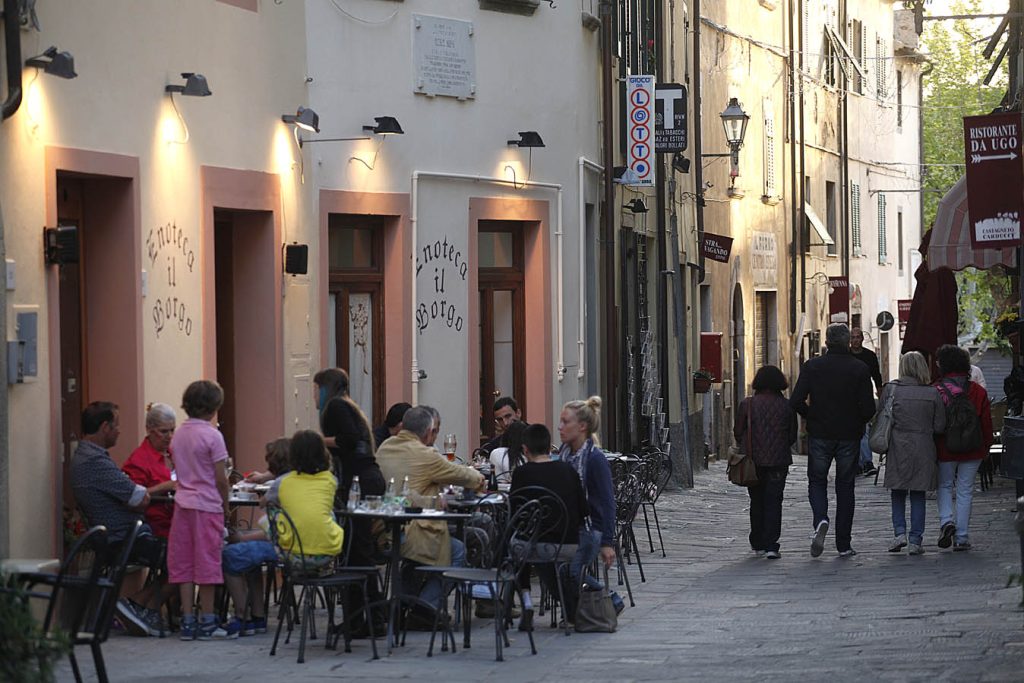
x,y
200,508
772,431
958,457
910,466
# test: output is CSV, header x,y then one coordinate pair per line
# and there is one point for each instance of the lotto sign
x,y
640,126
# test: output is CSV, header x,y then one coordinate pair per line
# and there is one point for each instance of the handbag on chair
x,y
741,468
595,611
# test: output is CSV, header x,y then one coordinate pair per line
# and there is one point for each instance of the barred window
x,y
855,217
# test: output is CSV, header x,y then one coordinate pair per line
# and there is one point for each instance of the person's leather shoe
x,y
526,621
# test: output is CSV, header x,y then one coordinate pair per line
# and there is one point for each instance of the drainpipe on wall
x,y
608,229
698,141
12,41
794,216
844,169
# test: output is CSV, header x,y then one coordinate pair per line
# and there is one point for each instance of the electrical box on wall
x,y
711,354
23,352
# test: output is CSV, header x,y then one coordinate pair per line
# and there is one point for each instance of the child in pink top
x,y
197,529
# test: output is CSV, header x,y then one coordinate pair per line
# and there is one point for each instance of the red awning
x,y
951,237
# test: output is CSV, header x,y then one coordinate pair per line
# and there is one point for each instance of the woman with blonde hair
x,y
911,468
577,427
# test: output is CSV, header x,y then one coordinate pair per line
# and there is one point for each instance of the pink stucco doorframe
x,y
260,350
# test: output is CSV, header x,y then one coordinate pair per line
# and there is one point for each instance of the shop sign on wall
x,y
171,256
441,265
640,128
443,57
995,175
764,260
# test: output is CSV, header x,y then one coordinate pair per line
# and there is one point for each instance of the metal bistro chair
x,y
71,591
627,502
296,573
658,472
518,545
556,554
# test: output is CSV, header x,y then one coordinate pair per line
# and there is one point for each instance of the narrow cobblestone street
x,y
712,611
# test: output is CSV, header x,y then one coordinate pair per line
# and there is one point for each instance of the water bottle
x,y
353,495
404,499
389,495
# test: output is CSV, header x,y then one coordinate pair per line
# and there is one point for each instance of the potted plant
x,y
26,653
702,380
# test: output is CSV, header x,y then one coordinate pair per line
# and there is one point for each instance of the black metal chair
x,y
627,502
518,544
72,594
297,573
657,474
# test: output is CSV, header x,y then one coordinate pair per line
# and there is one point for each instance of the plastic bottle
x,y
354,495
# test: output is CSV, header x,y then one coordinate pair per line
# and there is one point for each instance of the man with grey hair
x,y
841,403
410,454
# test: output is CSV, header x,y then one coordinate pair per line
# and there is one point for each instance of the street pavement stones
x,y
710,611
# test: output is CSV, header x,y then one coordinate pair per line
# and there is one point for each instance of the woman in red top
x,y
150,465
959,469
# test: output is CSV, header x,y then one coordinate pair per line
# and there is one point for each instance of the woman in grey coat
x,y
910,465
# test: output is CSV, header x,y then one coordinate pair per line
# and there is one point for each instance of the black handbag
x,y
595,612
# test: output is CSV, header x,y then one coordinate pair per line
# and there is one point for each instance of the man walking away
x,y
841,403
869,358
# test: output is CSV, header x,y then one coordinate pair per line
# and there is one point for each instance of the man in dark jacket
x,y
841,403
869,358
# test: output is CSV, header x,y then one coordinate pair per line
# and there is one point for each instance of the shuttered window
x,y
881,69
770,188
883,249
855,217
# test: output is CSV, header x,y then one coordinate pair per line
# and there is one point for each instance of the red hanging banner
x,y
838,300
903,314
995,176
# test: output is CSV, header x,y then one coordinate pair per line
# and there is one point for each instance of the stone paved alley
x,y
711,611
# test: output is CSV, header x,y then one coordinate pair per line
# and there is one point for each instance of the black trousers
x,y
766,507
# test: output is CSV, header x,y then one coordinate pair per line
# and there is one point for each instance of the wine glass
x,y
450,444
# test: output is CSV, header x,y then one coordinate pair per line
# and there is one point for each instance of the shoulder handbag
x,y
741,468
881,430
595,612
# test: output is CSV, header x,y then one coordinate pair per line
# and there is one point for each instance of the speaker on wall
x,y
296,259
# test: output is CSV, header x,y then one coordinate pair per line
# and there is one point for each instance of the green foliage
x,y
953,89
26,653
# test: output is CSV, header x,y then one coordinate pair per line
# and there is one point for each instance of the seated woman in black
x,y
561,479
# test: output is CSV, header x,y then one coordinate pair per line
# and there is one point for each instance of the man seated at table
x,y
409,454
107,496
392,423
506,411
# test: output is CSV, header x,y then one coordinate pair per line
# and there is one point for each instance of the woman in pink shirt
x,y
197,529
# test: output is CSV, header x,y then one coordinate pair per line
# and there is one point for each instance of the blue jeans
x,y
819,461
962,474
586,552
899,514
431,591
865,450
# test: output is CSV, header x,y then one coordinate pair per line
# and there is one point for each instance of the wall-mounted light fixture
x,y
680,163
734,121
195,86
624,175
60,64
386,125
527,138
304,118
636,205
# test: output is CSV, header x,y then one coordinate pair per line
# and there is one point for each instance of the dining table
x,y
395,522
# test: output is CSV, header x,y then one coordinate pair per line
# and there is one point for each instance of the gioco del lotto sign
x,y
995,175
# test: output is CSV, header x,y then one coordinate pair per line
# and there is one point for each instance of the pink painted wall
x,y
537,301
259,359
397,280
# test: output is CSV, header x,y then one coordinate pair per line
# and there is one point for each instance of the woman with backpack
x,y
964,445
910,467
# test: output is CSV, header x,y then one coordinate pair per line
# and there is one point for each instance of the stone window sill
x,y
523,7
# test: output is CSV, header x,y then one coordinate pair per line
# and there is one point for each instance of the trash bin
x,y
1011,465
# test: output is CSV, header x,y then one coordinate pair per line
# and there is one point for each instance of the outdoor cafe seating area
x,y
309,610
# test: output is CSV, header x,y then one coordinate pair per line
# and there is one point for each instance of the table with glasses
x,y
396,521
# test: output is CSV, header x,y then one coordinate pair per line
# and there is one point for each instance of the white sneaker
x,y
818,538
773,554
898,543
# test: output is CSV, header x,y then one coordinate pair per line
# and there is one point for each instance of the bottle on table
x,y
354,495
389,493
406,493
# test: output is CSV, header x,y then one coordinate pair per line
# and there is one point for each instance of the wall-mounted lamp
x,y
680,163
527,138
195,86
624,175
304,118
386,125
61,64
636,205
734,121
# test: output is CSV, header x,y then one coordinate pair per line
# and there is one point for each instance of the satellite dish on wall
x,y
885,321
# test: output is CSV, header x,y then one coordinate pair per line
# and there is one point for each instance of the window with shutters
x,y
770,189
881,69
855,217
830,217
899,99
855,39
766,330
883,248
899,239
